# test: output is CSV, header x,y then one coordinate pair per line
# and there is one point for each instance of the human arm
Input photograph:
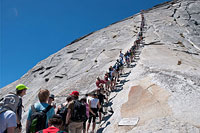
x,y
99,106
90,108
69,111
28,118
27,124
11,130
68,116
58,109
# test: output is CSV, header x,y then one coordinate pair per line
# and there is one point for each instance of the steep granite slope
x,y
163,90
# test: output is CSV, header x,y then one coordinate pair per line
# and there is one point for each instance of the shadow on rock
x,y
112,97
100,130
131,66
123,81
118,90
119,86
126,74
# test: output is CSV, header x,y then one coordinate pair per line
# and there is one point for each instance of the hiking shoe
x,y
104,113
111,111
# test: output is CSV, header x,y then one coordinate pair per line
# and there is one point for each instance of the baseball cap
x,y
76,93
21,87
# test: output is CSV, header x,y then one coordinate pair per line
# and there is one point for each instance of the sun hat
x,y
76,93
21,87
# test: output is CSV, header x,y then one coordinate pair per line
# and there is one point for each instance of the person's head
x,y
75,95
98,78
98,92
43,95
55,121
94,95
51,98
101,85
21,89
106,73
110,68
84,100
69,98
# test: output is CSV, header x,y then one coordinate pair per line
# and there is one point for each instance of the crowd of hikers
x,y
74,115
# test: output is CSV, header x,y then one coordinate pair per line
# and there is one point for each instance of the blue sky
x,y
31,30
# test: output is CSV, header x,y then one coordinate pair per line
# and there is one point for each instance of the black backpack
x,y
79,112
38,120
63,112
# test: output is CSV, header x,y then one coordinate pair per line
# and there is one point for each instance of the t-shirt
x,y
19,109
88,99
99,82
71,106
121,55
94,102
7,119
51,130
39,107
105,78
101,98
87,110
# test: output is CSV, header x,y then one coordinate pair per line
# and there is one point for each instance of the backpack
x,y
63,112
38,119
79,112
9,102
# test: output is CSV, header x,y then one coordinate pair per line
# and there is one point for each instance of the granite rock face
x,y
163,89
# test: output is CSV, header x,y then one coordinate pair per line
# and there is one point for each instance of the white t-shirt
x,y
94,102
7,119
88,99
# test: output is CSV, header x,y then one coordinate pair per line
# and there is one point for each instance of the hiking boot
x,y
111,111
104,113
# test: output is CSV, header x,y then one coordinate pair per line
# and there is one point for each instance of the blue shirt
x,y
39,107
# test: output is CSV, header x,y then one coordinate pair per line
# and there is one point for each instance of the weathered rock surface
x,y
163,90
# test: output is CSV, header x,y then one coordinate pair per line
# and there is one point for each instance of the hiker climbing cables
x,y
62,111
76,114
93,107
11,110
39,113
72,114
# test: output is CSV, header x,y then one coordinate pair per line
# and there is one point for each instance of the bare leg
x,y
88,126
93,126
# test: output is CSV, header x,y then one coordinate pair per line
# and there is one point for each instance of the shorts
x,y
93,116
101,110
